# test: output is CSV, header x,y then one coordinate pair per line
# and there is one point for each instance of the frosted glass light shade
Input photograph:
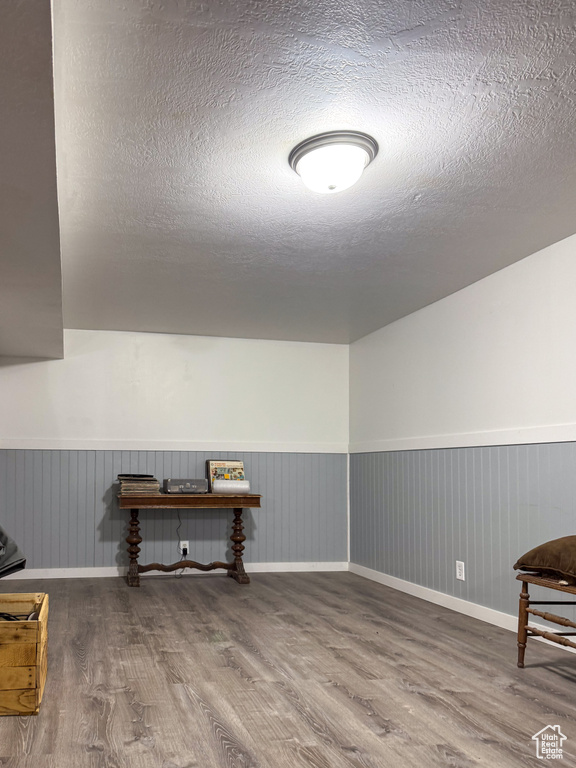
x,y
332,162
332,168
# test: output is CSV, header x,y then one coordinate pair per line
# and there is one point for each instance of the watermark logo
x,y
549,743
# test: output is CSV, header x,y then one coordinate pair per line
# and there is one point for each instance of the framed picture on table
x,y
224,469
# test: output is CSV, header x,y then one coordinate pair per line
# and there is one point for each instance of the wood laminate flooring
x,y
321,670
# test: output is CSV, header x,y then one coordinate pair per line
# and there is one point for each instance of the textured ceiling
x,y
30,284
174,121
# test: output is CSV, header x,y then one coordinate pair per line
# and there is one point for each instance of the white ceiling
x,y
174,121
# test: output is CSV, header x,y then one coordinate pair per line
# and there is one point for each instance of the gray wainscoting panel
x,y
414,513
60,506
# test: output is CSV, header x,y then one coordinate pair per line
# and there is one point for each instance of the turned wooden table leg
x,y
238,540
133,539
522,622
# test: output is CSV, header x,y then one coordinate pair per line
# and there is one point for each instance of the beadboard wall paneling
x,y
414,513
60,506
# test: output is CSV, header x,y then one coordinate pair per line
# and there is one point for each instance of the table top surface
x,y
188,501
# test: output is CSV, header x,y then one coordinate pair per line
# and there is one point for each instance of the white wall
x,y
141,391
492,364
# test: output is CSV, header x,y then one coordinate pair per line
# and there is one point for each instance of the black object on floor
x,y
11,557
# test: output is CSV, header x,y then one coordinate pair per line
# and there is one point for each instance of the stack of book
x,y
139,485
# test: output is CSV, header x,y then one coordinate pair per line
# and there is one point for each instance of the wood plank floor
x,y
311,670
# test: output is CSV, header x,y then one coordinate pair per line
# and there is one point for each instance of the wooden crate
x,y
23,654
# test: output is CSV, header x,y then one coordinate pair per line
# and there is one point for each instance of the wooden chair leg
x,y
522,622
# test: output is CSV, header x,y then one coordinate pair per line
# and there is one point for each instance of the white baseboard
x,y
294,567
67,573
498,618
96,573
481,612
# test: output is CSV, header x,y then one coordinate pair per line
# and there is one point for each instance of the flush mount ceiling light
x,y
331,162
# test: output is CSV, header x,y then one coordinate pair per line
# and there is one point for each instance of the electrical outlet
x,y
184,547
460,570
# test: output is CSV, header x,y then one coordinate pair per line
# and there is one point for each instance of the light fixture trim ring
x,y
355,138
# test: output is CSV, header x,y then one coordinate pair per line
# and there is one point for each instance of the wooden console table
x,y
201,501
